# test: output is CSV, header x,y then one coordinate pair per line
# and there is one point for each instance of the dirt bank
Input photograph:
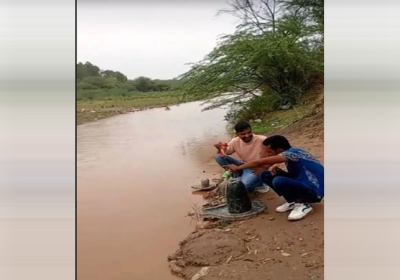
x,y
90,115
268,246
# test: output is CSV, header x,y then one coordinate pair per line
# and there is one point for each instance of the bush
x,y
255,108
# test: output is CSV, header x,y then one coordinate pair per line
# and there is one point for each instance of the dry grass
x,y
194,213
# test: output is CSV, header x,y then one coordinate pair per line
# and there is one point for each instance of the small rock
x,y
171,256
286,107
175,268
278,248
300,239
203,272
285,254
205,183
271,218
257,120
203,225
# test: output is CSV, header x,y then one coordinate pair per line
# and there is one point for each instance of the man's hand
x,y
232,167
218,146
273,169
221,147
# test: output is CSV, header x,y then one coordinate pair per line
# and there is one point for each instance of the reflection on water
x,y
134,177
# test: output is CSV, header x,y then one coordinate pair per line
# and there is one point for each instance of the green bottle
x,y
227,175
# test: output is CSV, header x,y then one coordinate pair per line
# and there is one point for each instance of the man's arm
x,y
230,149
258,163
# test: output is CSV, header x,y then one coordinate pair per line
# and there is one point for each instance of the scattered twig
x,y
194,214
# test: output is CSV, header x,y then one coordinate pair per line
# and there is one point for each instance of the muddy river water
x,y
134,177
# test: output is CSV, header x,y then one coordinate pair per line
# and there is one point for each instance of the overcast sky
x,y
149,38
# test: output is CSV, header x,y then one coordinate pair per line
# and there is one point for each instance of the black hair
x,y
241,126
277,142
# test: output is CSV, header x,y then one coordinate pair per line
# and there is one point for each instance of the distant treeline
x,y
94,83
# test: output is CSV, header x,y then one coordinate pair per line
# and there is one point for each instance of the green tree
x,y
98,83
87,70
143,84
118,75
276,48
92,70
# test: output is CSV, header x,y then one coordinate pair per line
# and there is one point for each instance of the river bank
x,y
97,109
267,246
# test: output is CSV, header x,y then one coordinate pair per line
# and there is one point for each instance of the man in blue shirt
x,y
301,185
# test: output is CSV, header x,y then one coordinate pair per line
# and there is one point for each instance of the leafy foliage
x,y
272,59
94,83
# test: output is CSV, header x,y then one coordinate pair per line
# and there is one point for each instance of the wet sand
x,y
134,177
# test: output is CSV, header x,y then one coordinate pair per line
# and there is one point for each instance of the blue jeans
x,y
290,189
249,179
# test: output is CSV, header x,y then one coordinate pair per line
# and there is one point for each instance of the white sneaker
x,y
263,189
299,212
285,207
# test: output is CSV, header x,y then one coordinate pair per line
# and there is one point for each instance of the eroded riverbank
x,y
267,246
